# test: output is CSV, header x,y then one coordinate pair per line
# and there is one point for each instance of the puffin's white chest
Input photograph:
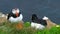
x,y
11,19
37,26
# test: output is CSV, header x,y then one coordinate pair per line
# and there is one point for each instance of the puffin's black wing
x,y
11,15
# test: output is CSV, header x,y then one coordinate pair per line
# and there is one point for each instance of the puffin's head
x,y
34,17
15,11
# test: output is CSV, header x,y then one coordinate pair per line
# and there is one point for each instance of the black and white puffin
x,y
37,23
16,17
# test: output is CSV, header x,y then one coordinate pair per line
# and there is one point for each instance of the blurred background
x,y
49,8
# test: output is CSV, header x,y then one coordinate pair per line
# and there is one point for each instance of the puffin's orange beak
x,y
16,14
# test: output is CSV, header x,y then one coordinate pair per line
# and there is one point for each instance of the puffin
x,y
16,17
37,23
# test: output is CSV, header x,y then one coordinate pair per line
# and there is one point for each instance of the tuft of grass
x,y
26,24
9,28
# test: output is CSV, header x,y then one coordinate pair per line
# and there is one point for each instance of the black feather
x,y
39,21
13,15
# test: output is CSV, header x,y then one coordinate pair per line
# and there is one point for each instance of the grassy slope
x,y
8,28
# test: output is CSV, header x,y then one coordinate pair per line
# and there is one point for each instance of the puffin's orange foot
x,y
19,26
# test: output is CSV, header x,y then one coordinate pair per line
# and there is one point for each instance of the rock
x,y
3,18
49,22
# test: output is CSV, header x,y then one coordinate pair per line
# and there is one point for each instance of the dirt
x,y
2,19
50,23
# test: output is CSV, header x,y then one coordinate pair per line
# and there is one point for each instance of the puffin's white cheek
x,y
17,10
14,12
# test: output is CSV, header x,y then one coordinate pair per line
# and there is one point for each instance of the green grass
x,y
8,28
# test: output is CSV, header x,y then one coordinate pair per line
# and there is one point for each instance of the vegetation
x,y
8,28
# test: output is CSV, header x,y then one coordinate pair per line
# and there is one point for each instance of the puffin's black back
x,y
43,22
39,21
13,15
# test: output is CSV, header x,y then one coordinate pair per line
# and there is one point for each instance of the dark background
x,y
49,8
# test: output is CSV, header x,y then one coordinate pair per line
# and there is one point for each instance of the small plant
x,y
8,28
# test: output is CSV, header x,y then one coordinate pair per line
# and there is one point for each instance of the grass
x,y
8,28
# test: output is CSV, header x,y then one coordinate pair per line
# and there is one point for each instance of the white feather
x,y
45,18
11,19
37,26
14,11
